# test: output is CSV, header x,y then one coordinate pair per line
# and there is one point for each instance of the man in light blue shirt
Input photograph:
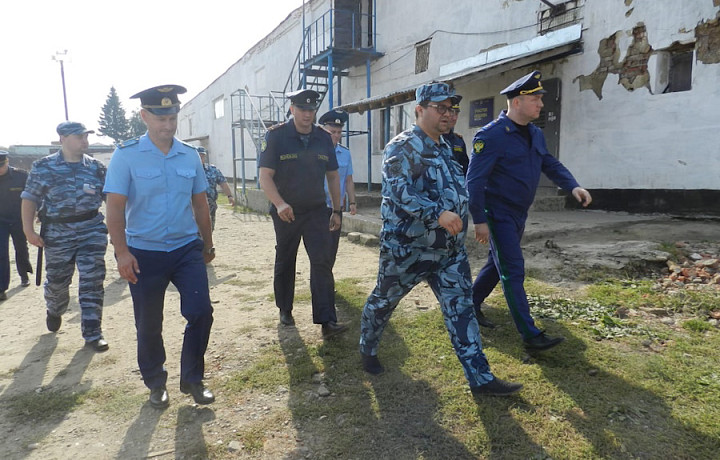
x,y
155,207
333,122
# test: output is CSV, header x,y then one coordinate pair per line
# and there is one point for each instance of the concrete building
x,y
633,86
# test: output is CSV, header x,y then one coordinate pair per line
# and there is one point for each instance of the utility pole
x,y
61,56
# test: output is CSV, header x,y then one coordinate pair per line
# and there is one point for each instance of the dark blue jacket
x,y
505,170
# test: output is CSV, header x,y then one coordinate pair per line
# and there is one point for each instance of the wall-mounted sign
x,y
481,112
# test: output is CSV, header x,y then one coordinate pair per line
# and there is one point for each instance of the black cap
x,y
66,128
161,100
3,157
304,99
334,117
455,101
529,84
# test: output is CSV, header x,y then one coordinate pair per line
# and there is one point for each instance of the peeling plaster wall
x,y
615,133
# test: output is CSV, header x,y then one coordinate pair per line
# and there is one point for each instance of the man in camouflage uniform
x,y
214,178
69,186
425,217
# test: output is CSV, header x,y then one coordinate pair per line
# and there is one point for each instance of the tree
x,y
137,125
112,119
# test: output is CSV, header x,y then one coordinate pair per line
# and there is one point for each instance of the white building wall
x,y
626,140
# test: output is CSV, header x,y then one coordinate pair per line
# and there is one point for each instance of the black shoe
x,y
482,319
53,322
371,364
159,398
98,345
286,318
24,281
3,295
542,342
200,394
331,328
497,387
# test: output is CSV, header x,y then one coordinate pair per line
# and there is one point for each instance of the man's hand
x,y
231,200
208,256
285,213
450,222
353,209
582,195
335,222
482,233
35,239
127,266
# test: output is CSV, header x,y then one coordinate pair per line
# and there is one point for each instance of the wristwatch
x,y
210,251
337,211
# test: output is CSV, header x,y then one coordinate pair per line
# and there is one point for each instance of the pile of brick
x,y
696,267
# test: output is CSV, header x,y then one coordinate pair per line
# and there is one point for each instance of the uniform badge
x,y
166,102
263,145
478,146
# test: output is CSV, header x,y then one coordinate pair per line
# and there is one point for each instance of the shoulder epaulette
x,y
489,126
276,126
194,147
128,143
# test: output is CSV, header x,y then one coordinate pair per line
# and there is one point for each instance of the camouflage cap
x,y
433,92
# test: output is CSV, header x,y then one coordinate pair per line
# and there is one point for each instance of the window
x,y
561,15
422,56
680,73
673,69
219,105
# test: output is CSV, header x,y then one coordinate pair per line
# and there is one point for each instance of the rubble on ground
x,y
697,267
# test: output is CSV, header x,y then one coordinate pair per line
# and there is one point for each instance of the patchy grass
x,y
43,405
602,394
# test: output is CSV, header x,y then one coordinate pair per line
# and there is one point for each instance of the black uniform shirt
x,y
11,186
299,169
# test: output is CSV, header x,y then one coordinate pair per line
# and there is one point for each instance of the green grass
x,y
602,394
617,388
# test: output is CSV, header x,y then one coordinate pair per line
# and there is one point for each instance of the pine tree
x,y
137,125
112,119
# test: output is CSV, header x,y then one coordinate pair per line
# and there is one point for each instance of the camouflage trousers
x,y
213,206
61,257
448,274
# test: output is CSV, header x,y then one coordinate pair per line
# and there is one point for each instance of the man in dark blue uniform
x,y
296,159
12,183
457,143
159,222
509,154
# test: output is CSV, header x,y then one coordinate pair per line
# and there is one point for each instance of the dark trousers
x,y
334,240
506,263
313,228
185,269
22,258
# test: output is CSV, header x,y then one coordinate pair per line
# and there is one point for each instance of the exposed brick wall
x,y
708,40
632,71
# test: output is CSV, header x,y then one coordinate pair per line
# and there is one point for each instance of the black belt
x,y
70,219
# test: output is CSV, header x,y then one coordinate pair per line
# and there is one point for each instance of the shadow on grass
x,y
615,417
386,416
620,418
43,407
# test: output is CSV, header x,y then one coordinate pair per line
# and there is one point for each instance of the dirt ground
x,y
35,360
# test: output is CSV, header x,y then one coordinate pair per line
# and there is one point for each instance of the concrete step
x,y
548,203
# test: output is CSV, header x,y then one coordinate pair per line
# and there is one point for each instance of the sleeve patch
x,y
478,146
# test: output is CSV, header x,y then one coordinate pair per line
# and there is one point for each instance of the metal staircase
x,y
338,40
